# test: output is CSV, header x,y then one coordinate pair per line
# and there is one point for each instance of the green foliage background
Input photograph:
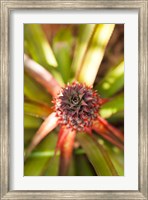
x,y
90,53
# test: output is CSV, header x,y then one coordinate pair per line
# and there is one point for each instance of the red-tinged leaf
x,y
66,152
61,137
103,132
103,100
112,129
46,127
41,75
89,131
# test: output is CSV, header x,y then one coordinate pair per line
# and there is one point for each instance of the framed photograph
x,y
74,99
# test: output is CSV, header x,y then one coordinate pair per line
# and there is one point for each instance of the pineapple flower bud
x,y
76,106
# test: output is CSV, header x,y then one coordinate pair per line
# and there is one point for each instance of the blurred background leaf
x,y
83,166
112,82
97,155
116,155
31,122
39,164
34,91
114,106
62,47
37,45
84,35
94,53
37,109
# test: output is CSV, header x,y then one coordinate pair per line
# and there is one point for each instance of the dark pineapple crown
x,y
76,106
